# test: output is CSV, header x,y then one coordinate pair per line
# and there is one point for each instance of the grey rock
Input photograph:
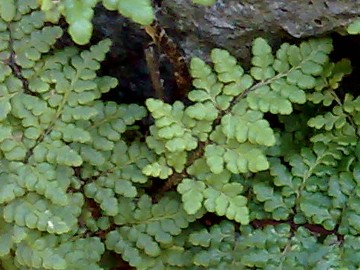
x,y
233,24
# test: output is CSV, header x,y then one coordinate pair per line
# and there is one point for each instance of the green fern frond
x,y
259,170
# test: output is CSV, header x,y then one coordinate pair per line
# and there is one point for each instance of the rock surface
x,y
233,24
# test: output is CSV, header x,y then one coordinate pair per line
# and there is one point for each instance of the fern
x,y
272,152
354,27
52,122
79,13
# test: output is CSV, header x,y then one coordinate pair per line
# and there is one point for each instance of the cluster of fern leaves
x,y
273,152
79,13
